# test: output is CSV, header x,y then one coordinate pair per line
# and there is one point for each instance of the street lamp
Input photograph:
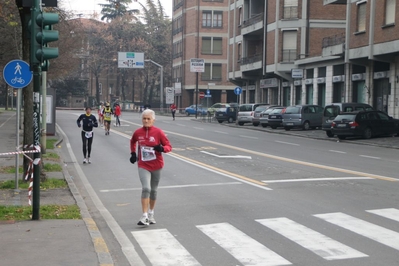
x,y
161,83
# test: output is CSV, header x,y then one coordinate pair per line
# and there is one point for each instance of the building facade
x,y
200,30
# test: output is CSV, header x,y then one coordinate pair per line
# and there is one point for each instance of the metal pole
x,y
17,140
44,110
196,94
12,99
161,105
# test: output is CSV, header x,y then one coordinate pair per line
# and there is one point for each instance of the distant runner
x,y
89,121
107,113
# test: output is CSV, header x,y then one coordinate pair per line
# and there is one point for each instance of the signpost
x,y
17,74
170,95
201,95
197,65
237,91
130,60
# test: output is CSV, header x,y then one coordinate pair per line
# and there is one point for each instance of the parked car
x,y
366,124
302,116
264,116
246,112
257,112
191,110
331,111
215,107
228,114
275,117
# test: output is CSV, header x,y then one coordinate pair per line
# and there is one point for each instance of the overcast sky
x,y
88,6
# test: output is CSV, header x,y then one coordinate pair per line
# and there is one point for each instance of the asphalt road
x,y
233,196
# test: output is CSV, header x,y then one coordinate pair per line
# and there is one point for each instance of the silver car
x,y
246,112
303,116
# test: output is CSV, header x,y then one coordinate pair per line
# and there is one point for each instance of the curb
x,y
100,246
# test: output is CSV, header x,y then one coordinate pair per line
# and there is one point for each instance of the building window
x,y
390,6
290,9
240,16
212,72
289,46
177,49
177,73
211,45
212,19
361,17
177,25
239,52
220,1
177,4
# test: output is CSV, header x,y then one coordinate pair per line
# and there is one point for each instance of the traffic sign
x,y
130,60
17,74
238,90
208,92
197,65
201,94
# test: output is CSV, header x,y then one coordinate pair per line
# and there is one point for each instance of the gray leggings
x,y
149,181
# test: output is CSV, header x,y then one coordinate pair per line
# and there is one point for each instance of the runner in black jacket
x,y
89,121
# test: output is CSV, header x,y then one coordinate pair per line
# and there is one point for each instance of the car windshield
x,y
331,111
261,108
245,108
292,110
347,117
277,111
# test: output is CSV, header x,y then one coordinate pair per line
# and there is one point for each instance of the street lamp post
x,y
161,83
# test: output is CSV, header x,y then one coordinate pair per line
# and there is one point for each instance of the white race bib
x,y
147,154
88,134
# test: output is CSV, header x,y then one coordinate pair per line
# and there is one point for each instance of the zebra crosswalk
x,y
163,249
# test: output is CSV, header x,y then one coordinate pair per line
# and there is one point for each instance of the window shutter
x,y
289,40
206,45
390,6
217,45
361,17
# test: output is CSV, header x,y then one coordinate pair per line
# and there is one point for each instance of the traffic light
x,y
41,34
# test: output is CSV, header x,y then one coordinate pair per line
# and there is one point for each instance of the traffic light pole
x,y
36,120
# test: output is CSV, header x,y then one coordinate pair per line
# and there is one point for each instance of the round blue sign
x,y
238,90
17,74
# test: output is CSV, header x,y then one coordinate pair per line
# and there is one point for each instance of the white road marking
x,y
338,151
163,249
199,128
242,247
220,132
324,246
288,143
317,179
228,156
181,125
389,213
7,120
375,232
68,145
248,137
177,186
370,157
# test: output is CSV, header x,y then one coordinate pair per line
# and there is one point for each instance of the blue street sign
x,y
17,74
208,92
238,90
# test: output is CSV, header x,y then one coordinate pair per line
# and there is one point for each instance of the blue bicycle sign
x,y
17,74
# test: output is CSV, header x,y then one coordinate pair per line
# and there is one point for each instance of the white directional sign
x,y
130,60
170,95
197,65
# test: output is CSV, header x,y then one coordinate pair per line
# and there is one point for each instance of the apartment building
x,y
276,50
371,52
200,30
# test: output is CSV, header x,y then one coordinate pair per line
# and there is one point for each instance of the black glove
x,y
158,148
133,158
79,125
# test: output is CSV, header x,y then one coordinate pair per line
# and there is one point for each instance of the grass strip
x,y
48,184
46,212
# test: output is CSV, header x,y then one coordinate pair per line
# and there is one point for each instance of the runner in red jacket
x,y
149,142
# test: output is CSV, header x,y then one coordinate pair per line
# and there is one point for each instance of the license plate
x,y
289,124
273,116
341,125
220,114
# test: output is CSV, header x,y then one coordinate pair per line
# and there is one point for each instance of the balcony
x,y
252,24
251,63
334,2
176,31
333,45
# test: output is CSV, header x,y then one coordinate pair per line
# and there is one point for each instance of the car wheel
x,y
187,114
287,128
273,127
241,123
255,124
329,134
306,125
264,125
367,133
231,120
220,121
342,137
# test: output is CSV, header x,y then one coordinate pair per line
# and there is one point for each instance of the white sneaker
x,y
84,160
88,160
151,218
143,221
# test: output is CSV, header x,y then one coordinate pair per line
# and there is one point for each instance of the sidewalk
x,y
46,242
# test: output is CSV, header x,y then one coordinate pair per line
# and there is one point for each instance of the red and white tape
x,y
36,150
